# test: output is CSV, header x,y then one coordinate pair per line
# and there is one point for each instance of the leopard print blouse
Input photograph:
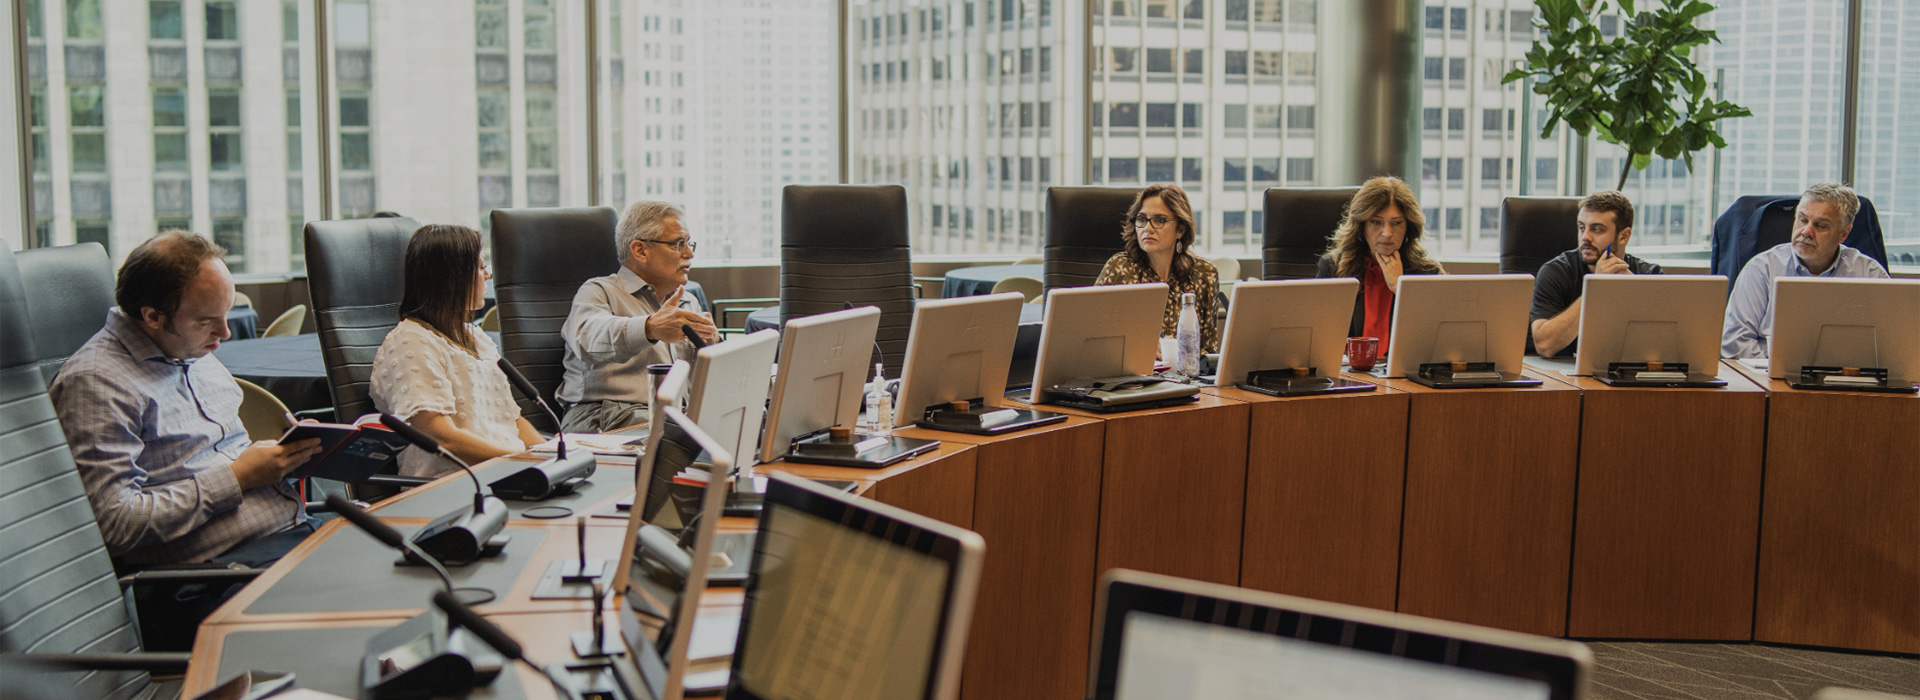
x,y
1204,283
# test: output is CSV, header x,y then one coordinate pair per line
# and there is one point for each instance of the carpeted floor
x,y
1646,671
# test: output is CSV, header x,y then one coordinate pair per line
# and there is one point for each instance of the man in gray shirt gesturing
x,y
625,321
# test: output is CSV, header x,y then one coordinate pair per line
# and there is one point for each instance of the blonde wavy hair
x,y
1349,248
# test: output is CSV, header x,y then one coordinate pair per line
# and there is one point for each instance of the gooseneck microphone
x,y
553,477
463,535
462,616
392,538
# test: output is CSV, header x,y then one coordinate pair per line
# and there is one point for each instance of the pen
x,y
290,421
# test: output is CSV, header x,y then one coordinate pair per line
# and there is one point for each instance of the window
x,y
1433,67
1195,62
1430,118
1299,171
1236,63
1266,170
1236,116
1192,170
163,20
1300,118
1123,169
1160,115
1124,116
1159,60
1233,169
1160,170
1233,227
223,21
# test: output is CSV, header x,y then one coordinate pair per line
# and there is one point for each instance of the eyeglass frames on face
x,y
683,245
1155,222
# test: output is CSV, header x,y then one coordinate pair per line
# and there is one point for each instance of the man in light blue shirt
x,y
1820,223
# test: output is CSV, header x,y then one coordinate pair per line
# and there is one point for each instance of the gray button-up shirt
x,y
155,439
1750,306
606,335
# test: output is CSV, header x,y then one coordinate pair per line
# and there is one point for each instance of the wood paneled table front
x,y
1669,510
1324,479
1488,525
1840,520
1035,498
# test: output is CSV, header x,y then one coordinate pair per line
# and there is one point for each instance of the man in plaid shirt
x,y
153,421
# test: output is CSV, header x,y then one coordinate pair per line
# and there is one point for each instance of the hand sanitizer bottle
x,y
880,404
1187,339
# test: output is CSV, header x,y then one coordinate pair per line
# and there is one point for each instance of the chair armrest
x,y
155,662
919,282
186,575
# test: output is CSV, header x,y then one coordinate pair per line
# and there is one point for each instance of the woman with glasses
x,y
437,370
1378,241
1159,234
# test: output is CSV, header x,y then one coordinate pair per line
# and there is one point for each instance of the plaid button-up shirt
x,y
154,439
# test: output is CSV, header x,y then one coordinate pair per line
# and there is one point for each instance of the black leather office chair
x,y
540,259
848,243
1300,221
355,273
1084,228
69,290
62,604
1535,229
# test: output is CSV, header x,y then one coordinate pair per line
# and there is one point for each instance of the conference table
x,y
975,281
1571,509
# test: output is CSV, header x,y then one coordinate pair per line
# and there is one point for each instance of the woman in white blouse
x,y
437,369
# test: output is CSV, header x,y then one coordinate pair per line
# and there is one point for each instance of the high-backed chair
x,y
1754,223
355,274
540,259
1299,223
844,244
1535,229
69,290
61,603
1084,228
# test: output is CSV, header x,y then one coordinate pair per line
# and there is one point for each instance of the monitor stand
x,y
1469,375
1866,379
838,446
1662,375
1300,381
974,417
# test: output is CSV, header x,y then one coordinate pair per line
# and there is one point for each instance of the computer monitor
x,y
1827,322
1164,637
1106,331
1641,319
1459,318
731,381
658,588
1283,324
851,598
959,349
823,367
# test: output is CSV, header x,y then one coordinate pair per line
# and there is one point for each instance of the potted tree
x,y
1640,89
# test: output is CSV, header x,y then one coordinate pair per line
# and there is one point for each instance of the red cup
x,y
1362,353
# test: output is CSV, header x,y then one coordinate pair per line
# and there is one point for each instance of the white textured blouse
x,y
417,369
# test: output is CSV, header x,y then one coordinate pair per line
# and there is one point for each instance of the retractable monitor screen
x,y
1164,637
1669,319
1283,324
1099,332
849,598
1825,322
731,381
659,587
1441,319
823,365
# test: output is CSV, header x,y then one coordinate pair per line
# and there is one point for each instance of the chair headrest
x,y
1304,218
843,216
1088,217
357,262
557,245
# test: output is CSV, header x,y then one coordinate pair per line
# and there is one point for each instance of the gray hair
x,y
642,221
1835,195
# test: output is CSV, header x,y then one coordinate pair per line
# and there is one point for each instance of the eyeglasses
x,y
1155,222
684,245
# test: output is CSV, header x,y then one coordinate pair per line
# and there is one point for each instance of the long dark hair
x,y
1349,247
442,260
1175,200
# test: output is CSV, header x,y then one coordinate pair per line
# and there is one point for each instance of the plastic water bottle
x,y
1187,339
880,404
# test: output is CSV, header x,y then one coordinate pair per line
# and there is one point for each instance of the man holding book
x,y
153,421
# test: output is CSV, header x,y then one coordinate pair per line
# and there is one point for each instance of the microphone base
x,y
554,477
421,658
464,535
